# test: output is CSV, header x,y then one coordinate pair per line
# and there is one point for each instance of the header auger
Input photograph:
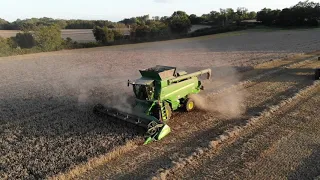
x,y
159,91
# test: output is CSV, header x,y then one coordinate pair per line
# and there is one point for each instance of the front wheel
x,y
189,105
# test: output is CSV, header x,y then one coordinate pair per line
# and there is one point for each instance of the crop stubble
x,y
283,146
46,121
188,135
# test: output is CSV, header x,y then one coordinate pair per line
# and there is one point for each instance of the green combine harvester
x,y
158,92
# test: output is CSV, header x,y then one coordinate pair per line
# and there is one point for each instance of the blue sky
x,y
116,10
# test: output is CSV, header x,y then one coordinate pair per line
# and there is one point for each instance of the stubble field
x,y
47,127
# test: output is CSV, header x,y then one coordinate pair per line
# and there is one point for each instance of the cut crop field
x,y
256,108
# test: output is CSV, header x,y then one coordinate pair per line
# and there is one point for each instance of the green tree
x,y
158,29
49,38
156,18
223,17
62,24
142,31
164,19
3,24
5,49
268,16
213,17
194,19
12,42
304,13
230,14
25,40
103,35
252,15
179,22
118,35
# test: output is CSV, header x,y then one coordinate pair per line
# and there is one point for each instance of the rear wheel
x,y
317,74
189,105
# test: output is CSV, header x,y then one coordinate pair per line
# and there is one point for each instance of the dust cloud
x,y
90,85
228,104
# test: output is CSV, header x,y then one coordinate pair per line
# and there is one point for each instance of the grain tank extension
x,y
158,92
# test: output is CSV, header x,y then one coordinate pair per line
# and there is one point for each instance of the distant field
x,y
80,35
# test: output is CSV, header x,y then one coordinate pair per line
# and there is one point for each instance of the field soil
x,y
194,130
282,146
46,121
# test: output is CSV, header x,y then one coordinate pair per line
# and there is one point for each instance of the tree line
x,y
302,14
211,18
63,24
143,28
44,34
41,39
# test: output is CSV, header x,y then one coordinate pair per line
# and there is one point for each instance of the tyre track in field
x,y
184,140
261,69
257,94
238,156
231,134
277,63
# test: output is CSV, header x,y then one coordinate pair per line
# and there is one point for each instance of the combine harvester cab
x,y
158,92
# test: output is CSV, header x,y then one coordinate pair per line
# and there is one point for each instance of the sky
x,y
116,10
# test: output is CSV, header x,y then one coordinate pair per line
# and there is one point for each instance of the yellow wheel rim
x,y
190,105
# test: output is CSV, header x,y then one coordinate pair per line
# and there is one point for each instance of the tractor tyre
x,y
189,105
317,74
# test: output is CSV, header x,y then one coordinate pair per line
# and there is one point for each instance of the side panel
x,y
179,90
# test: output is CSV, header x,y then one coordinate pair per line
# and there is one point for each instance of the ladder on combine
x,y
165,113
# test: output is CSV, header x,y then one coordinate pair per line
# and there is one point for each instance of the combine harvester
x,y
158,92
